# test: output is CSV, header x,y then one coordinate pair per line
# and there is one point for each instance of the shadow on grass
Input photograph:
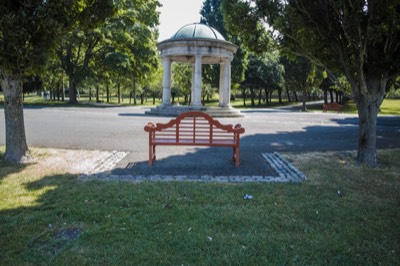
x,y
7,168
110,223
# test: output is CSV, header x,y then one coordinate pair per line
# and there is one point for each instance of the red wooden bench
x,y
194,129
332,106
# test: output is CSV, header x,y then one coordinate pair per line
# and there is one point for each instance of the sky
x,y
174,14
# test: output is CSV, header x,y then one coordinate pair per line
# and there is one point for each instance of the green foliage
x,y
182,79
342,215
297,72
242,21
122,48
345,36
211,15
30,29
358,39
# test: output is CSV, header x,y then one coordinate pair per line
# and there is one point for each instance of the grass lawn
x,y
388,107
342,215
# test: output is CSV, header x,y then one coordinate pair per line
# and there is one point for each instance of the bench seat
x,y
197,142
333,107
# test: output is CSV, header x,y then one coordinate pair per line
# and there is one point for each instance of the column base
x,y
165,105
196,106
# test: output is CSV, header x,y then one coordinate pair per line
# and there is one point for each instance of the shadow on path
x,y
172,160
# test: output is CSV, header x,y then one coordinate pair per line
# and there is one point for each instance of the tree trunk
x,y
331,93
16,146
367,115
266,96
134,93
270,96
58,91
72,91
119,92
62,89
252,96
97,94
368,105
288,95
304,106
108,93
280,94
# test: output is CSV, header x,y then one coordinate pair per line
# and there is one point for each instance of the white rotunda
x,y
197,44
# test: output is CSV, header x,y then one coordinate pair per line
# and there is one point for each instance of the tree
x,y
182,79
28,31
126,40
358,38
254,77
264,74
75,53
153,83
211,15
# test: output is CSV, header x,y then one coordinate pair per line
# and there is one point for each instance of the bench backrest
x,y
194,127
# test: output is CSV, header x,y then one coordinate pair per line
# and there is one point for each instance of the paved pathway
x,y
268,131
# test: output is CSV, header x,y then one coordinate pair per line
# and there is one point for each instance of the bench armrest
x,y
149,127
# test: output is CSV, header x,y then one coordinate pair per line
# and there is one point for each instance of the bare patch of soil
x,y
68,161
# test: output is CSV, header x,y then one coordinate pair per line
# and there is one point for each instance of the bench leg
x,y
236,156
152,154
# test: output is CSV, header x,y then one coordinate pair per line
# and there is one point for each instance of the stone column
x,y
221,83
196,101
225,83
193,78
166,97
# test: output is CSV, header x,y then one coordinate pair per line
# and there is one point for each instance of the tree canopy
x,y
211,15
31,29
359,38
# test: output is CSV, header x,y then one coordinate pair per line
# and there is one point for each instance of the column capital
x,y
166,58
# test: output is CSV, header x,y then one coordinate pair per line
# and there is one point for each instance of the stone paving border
x,y
108,163
284,168
286,173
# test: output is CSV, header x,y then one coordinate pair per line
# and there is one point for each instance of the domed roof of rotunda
x,y
197,31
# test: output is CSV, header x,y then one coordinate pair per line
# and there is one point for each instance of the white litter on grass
x,y
248,196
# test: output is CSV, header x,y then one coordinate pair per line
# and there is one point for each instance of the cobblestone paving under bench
x,y
286,172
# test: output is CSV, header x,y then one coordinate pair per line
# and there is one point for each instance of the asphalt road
x,y
121,128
